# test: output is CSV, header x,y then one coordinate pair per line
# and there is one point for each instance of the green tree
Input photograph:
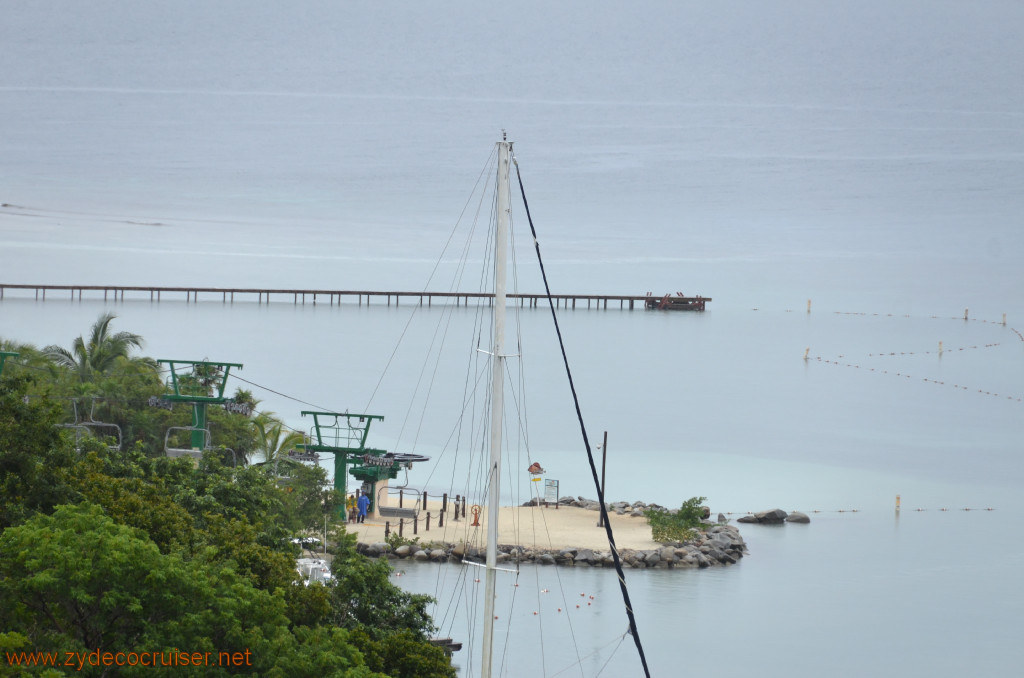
x,y
126,548
76,581
98,354
676,526
35,457
364,598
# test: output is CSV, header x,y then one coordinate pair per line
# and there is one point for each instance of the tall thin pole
x,y
604,458
497,404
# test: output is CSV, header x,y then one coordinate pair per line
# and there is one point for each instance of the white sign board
x,y
551,491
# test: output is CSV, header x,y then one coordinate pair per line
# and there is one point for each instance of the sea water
x,y
865,160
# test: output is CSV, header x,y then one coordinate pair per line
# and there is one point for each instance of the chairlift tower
x,y
216,370
4,355
344,435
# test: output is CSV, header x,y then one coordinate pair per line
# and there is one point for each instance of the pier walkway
x,y
300,296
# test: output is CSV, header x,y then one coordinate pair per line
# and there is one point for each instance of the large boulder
x,y
772,517
797,517
585,556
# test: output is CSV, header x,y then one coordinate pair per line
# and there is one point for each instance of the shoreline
x,y
566,536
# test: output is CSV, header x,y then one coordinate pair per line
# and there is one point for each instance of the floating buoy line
x,y
842,360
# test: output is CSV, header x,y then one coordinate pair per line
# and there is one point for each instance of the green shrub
x,y
680,526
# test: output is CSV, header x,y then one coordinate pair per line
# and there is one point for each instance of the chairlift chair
x,y
194,452
401,491
92,427
115,430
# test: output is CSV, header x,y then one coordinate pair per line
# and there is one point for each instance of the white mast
x,y
497,404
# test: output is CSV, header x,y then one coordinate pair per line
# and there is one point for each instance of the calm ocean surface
x,y
868,157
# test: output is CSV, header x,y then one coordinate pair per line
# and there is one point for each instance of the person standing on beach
x,y
364,504
350,504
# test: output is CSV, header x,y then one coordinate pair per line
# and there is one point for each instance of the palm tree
x,y
97,355
28,356
273,442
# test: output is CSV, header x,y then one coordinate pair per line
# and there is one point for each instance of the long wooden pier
x,y
300,296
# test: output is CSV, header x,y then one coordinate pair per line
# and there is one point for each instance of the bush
x,y
678,526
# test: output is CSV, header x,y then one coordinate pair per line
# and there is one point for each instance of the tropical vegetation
x,y
108,545
677,526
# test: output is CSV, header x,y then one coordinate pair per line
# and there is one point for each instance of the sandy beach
x,y
530,527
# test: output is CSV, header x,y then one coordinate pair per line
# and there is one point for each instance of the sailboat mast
x,y
497,404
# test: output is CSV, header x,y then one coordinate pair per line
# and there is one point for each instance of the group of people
x,y
357,504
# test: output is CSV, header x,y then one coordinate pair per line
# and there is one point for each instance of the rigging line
x,y
540,609
437,263
457,428
583,430
283,395
508,626
568,615
608,661
597,651
449,312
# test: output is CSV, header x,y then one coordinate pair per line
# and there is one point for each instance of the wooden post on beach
x,y
387,529
463,507
428,521
456,508
416,525
444,507
401,525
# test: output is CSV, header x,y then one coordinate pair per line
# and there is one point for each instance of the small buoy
x,y
559,609
582,595
577,607
535,613
477,581
495,616
589,603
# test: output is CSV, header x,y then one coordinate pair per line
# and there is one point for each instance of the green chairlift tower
x,y
4,355
204,374
344,434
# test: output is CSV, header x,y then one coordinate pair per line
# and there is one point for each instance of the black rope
x,y
586,441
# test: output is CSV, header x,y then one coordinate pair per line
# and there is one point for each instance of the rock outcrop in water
x,y
774,517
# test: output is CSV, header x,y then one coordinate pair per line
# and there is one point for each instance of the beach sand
x,y
526,526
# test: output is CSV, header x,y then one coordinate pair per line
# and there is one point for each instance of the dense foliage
x,y
676,526
126,550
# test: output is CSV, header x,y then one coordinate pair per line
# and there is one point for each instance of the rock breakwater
x,y
717,544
